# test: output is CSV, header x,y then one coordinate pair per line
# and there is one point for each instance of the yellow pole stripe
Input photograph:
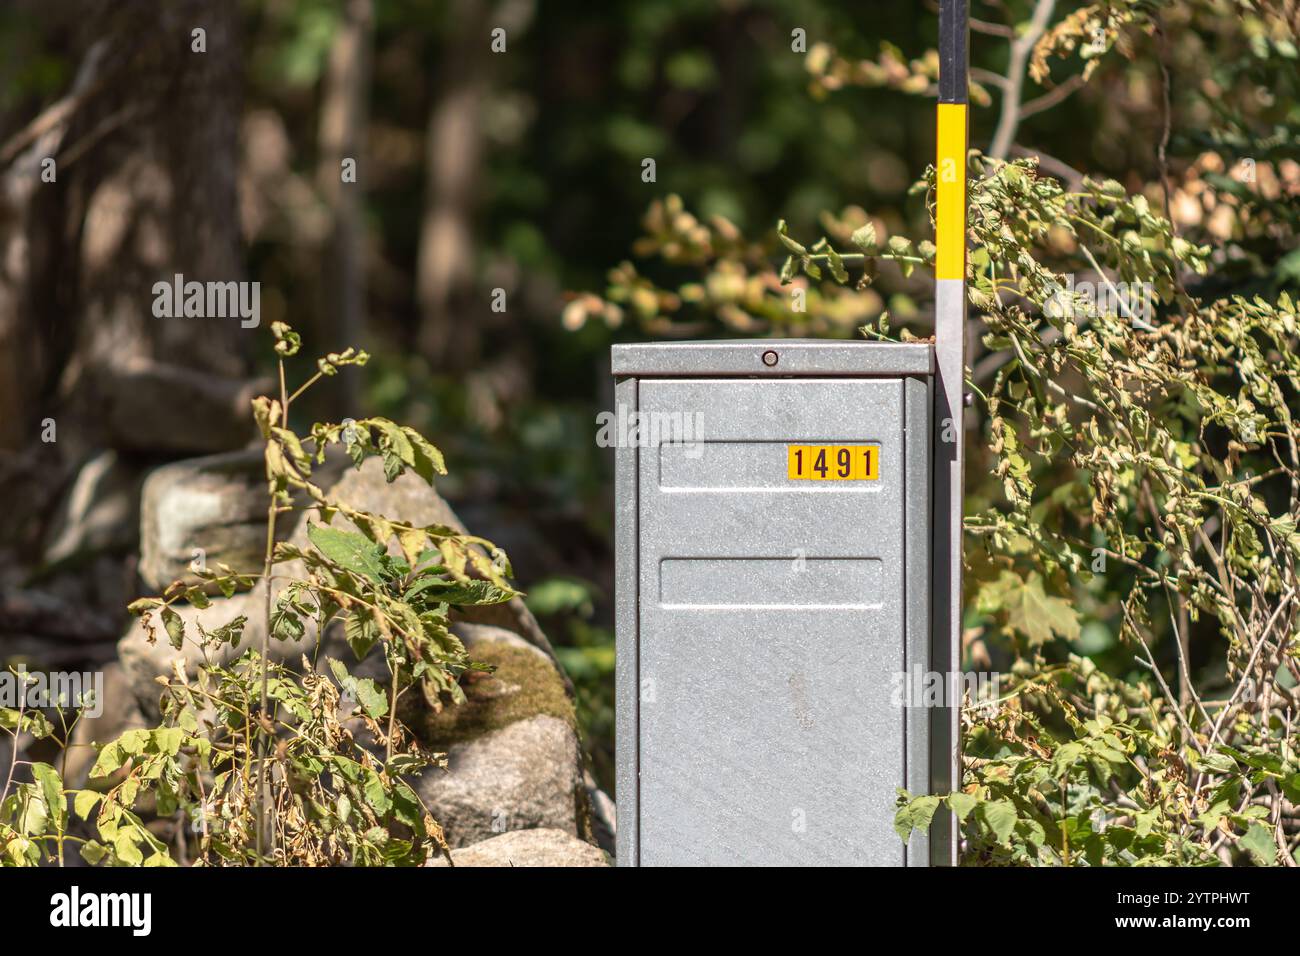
x,y
950,211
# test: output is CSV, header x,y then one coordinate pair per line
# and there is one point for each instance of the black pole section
x,y
954,36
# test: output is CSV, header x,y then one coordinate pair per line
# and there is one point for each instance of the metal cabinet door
x,y
771,626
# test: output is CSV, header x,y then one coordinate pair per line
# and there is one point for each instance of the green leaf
x,y
1291,787
33,812
356,441
175,627
52,791
428,459
865,238
961,804
331,363
371,697
361,631
286,624
110,759
23,852
33,721
352,552
1258,842
786,241
368,694
406,805
377,529
168,740
267,412
412,541
837,265
293,450
899,245
465,593
1067,756
1218,763
1000,818
287,341
395,448
1028,608
126,846
401,764
376,793
915,814
93,852
84,802
231,632
1031,831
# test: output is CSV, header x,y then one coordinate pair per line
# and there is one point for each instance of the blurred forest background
x,y
520,170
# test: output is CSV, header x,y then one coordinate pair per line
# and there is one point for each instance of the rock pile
x,y
514,792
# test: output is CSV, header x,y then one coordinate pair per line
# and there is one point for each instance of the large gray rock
x,y
144,661
154,406
407,499
514,760
212,508
513,757
540,847
218,503
519,777
97,513
604,814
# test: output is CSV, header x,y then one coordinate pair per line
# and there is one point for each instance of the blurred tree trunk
x,y
146,147
342,133
145,151
448,334
25,234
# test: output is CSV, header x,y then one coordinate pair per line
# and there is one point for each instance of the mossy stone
x,y
524,683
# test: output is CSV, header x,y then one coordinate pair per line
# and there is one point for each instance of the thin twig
x,y
1021,48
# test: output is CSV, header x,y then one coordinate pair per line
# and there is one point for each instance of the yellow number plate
x,y
832,462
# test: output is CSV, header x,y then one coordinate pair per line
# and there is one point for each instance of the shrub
x,y
271,764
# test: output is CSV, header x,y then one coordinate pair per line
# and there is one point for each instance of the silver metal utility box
x,y
770,604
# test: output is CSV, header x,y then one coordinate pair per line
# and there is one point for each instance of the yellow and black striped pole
x,y
949,403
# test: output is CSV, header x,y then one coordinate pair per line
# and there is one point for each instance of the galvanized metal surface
x,y
786,357
762,622
918,485
626,683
